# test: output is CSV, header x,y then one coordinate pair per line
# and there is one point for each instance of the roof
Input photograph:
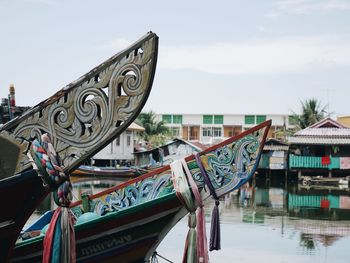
x,y
192,144
276,147
319,141
135,127
324,132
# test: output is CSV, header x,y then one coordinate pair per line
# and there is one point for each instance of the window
x,y
177,119
175,131
206,132
218,119
217,132
207,119
117,141
128,140
292,119
249,119
166,118
260,118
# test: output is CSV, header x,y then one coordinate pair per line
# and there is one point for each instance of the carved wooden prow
x,y
90,112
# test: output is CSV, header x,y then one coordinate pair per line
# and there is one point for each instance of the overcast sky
x,y
214,56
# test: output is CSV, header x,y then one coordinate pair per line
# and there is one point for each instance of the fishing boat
x,y
122,171
324,181
127,222
80,119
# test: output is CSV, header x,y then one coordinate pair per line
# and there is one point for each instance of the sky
x,y
215,57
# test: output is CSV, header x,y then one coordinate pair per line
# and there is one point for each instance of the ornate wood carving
x,y
89,113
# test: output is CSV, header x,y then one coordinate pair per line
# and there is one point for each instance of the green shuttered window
x,y
218,119
207,119
177,119
260,118
166,118
249,119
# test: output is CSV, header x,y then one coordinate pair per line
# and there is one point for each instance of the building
x,y
322,148
166,154
345,120
120,151
212,128
274,155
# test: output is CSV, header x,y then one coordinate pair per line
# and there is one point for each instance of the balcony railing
x,y
312,162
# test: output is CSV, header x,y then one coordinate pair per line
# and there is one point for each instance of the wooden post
x,y
330,174
286,178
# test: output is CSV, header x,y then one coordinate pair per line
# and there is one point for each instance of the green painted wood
x,y
312,162
264,161
311,200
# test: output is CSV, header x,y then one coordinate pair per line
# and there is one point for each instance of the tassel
x,y
68,236
215,239
192,239
59,241
49,240
215,236
202,248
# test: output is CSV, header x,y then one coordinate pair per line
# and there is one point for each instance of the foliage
x,y
156,133
311,112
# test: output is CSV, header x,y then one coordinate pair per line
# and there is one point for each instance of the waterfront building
x,y
120,151
322,148
274,156
212,128
167,153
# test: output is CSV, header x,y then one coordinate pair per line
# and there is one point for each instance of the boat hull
x,y
124,236
26,192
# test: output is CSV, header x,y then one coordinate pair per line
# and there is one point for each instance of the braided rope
x,y
59,242
47,164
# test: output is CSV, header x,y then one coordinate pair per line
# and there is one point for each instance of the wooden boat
x,y
123,171
130,220
81,119
324,181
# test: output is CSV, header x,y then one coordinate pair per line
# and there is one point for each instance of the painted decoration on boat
x,y
228,167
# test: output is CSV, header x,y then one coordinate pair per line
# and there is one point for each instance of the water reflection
x,y
268,222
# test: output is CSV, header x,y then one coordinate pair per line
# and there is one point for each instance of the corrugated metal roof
x,y
318,140
329,132
276,148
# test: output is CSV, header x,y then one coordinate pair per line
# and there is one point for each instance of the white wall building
x,y
121,149
210,128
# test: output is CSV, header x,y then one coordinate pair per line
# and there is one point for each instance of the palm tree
x,y
312,112
155,132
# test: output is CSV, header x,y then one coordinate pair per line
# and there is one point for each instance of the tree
x,y
312,111
155,132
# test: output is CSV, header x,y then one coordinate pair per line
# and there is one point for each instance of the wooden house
x,y
274,155
320,149
165,154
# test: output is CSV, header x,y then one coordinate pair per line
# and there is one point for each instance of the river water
x,y
273,222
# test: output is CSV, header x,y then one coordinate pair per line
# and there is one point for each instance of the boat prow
x,y
80,119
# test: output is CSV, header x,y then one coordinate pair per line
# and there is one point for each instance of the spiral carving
x,y
90,112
